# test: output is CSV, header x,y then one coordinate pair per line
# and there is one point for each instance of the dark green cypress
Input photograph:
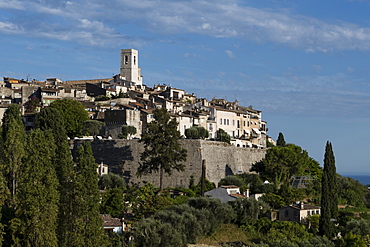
x,y
51,119
281,141
88,222
37,210
329,196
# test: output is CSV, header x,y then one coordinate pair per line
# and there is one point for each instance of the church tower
x,y
130,70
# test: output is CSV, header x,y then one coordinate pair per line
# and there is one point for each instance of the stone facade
x,y
222,159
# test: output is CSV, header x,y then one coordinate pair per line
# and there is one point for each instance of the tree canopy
x,y
281,141
74,115
196,132
223,136
281,163
162,149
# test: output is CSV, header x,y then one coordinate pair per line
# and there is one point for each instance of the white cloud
x,y
230,54
216,18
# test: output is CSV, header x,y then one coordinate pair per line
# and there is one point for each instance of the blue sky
x,y
304,64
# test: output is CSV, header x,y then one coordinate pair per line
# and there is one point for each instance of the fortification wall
x,y
123,157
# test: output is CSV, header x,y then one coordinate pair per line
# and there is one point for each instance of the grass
x,y
226,233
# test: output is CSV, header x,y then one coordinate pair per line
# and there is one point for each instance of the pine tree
x,y
37,209
329,196
281,141
162,150
88,223
51,119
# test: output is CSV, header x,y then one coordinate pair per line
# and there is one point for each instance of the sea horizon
x,y
364,178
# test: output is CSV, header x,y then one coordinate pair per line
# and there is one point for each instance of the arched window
x,y
134,60
126,59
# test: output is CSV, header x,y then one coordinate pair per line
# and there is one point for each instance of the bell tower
x,y
130,70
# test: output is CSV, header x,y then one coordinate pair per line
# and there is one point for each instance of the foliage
x,y
37,209
145,200
351,192
92,127
317,241
13,153
182,224
223,136
275,201
207,186
281,141
283,230
291,195
253,181
281,163
74,115
249,209
162,149
127,131
351,240
51,119
196,132
357,226
111,181
231,180
102,98
32,104
329,196
112,203
87,218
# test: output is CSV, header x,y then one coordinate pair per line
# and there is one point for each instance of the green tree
x,y
111,181
231,180
87,220
128,131
37,210
112,203
162,149
14,139
223,136
281,141
32,104
329,196
92,127
281,163
196,132
51,119
249,209
74,115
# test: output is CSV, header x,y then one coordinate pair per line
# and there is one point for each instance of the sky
x,y
304,64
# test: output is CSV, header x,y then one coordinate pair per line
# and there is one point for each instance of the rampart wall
x,y
123,157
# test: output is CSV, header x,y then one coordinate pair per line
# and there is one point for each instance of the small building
x,y
298,212
225,193
113,224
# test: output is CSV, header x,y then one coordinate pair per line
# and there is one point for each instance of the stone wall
x,y
123,157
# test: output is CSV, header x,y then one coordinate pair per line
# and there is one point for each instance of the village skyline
x,y
304,65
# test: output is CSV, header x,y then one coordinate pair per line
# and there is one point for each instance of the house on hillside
x,y
298,212
111,224
226,193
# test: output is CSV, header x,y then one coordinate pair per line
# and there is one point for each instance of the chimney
x,y
246,193
302,205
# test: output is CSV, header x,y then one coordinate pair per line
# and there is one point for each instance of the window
x,y
134,60
126,59
228,123
224,121
221,121
210,127
286,213
233,122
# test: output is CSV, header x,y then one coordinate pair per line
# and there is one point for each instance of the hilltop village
x,y
125,100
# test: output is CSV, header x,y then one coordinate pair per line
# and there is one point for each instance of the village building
x,y
298,212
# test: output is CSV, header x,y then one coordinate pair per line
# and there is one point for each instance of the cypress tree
x,y
37,209
280,141
88,223
13,150
51,119
329,196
